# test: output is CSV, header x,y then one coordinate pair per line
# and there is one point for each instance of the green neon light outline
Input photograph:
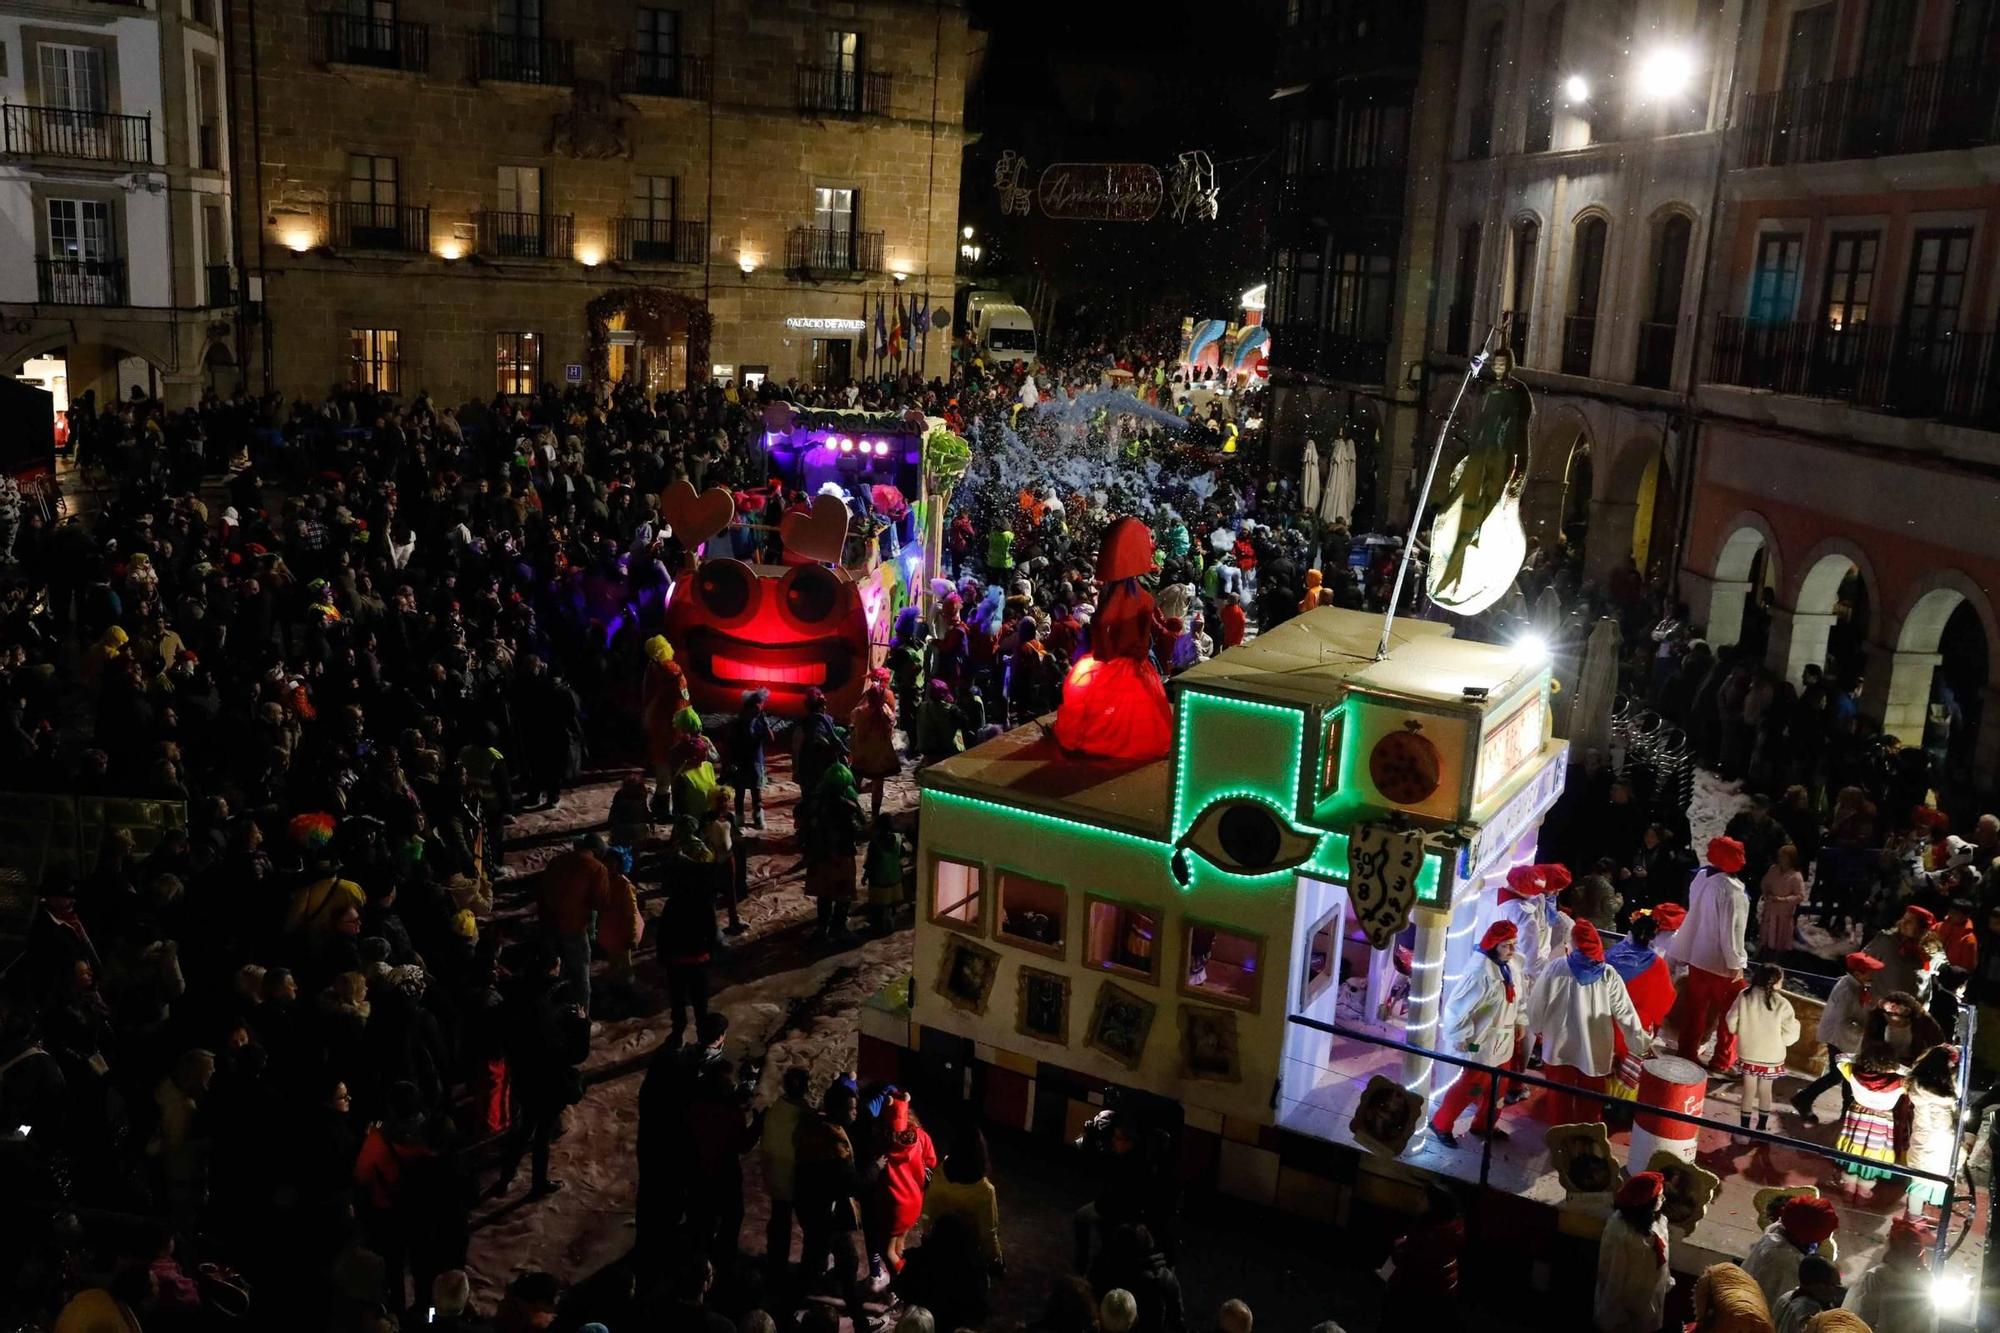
x,y
1189,700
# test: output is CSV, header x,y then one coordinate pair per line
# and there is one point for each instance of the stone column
x,y
1897,687
1716,605
1798,640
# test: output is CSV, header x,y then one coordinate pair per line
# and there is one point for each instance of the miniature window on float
x,y
1124,939
1322,958
1033,912
955,893
1222,965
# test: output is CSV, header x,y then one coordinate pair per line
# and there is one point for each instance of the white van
x,y
1002,330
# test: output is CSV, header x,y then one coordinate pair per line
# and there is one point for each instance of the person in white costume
x,y
1633,1276
1481,1018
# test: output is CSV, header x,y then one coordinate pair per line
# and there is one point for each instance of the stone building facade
x,y
115,199
1580,194
467,202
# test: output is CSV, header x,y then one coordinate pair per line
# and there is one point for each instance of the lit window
x,y
375,360
1033,913
1221,965
1124,939
955,888
517,363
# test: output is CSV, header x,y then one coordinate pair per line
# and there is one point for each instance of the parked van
x,y
1002,330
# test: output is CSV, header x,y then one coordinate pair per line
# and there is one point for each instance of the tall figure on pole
x,y
1477,545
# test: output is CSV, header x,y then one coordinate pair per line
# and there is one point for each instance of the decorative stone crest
x,y
595,126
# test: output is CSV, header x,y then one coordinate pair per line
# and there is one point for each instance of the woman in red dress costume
x,y
1113,704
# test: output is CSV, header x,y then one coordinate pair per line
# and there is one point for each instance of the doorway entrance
x,y
832,362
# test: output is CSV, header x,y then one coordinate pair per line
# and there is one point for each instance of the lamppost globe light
x,y
1576,89
967,233
1665,71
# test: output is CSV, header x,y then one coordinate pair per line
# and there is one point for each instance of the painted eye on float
x,y
726,588
1242,837
812,594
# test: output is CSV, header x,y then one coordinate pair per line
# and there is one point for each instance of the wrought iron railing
x,y
842,92
661,241
833,250
1950,376
505,57
80,282
348,39
1908,109
660,74
1654,368
527,235
86,136
365,226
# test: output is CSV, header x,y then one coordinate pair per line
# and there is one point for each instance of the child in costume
x,y
1933,1093
1868,1129
1765,1026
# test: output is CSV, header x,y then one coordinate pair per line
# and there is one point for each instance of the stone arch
x,y
1729,587
1930,602
1812,606
49,340
1559,438
1920,657
1622,510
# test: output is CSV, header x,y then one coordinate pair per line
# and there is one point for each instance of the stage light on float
x,y
1530,648
1951,1292
1576,90
1665,71
881,448
846,445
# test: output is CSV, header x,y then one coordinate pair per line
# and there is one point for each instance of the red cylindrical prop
x,y
1677,1085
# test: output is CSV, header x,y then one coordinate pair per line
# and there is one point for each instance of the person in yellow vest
x,y
316,908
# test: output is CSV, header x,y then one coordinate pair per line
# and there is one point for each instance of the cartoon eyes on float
x,y
1239,836
810,595
727,589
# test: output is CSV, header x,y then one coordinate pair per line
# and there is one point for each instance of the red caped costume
x,y
1650,983
1480,1017
1578,1006
1711,944
1113,704
906,1169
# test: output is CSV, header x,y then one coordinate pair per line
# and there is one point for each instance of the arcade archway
x,y
1941,673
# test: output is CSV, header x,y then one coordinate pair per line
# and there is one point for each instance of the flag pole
x,y
1472,369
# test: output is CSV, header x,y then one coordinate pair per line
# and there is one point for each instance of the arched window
x,y
1660,329
1486,86
1521,290
1586,281
1458,326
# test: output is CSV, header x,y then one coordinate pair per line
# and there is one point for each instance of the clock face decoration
x,y
1405,766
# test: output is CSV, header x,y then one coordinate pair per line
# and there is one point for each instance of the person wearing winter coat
x,y
830,1180
1894,1296
1576,1006
1818,1291
1633,1276
750,736
1933,1142
899,1193
1481,1018
964,1191
781,1125
571,890
830,841
940,726
1776,1258
1765,1025
872,740
684,936
1842,1023
1778,899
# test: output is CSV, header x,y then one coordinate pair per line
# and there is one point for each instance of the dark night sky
x,y
1076,80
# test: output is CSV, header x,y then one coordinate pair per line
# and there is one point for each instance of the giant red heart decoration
x,y
817,533
696,518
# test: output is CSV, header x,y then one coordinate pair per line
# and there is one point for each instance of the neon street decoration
x,y
1195,195
1101,191
1016,199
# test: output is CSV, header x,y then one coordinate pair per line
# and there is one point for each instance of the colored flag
x,y
881,330
921,318
896,333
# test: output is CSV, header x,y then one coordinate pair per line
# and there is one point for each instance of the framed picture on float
x,y
1042,1006
1119,1024
966,975
1208,1045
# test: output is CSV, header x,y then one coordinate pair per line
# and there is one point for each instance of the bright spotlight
x,y
846,445
1951,1292
1531,648
1665,72
1576,90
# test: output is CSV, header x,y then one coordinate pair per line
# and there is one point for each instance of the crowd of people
x,y
272,1036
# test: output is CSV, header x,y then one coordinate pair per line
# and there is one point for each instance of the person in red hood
x,y
1233,621
910,1159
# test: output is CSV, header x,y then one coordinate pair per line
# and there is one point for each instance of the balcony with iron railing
x,y
824,250
1654,368
402,228
659,74
1579,343
1952,377
502,57
80,282
81,136
1912,109
829,90
348,39
661,241
526,235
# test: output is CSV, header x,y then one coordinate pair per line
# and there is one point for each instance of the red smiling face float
x,y
785,628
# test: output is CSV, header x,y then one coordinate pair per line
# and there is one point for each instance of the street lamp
x,y
1576,90
966,233
1665,71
